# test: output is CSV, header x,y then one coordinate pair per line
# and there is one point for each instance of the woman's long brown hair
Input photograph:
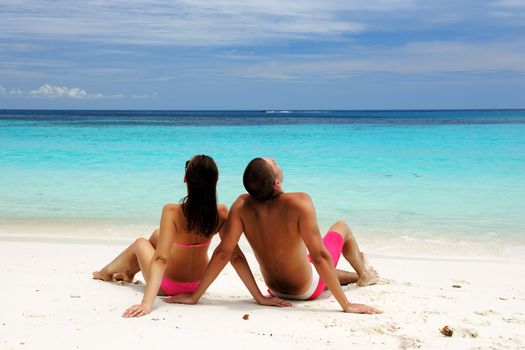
x,y
200,205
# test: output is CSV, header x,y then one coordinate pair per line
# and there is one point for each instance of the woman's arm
x,y
158,264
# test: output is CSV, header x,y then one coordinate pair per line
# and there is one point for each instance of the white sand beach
x,y
50,301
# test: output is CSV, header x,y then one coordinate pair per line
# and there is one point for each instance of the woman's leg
x,y
144,251
127,276
126,264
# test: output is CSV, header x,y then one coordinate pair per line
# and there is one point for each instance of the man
x,y
278,227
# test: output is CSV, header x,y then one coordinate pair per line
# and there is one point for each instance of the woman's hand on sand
x,y
137,311
361,309
273,301
181,299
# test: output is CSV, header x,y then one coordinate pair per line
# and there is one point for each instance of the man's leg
x,y
365,275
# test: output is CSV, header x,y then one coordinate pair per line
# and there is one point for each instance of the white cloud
x,y
418,58
510,3
145,96
190,22
2,90
58,92
512,11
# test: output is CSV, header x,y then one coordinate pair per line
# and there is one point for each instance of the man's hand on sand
x,y
137,311
273,301
180,299
361,309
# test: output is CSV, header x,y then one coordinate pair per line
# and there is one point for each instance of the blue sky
x,y
271,54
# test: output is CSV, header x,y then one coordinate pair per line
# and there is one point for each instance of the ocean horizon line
x,y
266,110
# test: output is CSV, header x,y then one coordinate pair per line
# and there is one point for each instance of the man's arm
x,y
321,258
221,255
240,264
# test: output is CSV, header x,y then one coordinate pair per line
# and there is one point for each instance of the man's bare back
x,y
272,229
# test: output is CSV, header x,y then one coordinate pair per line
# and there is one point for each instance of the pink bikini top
x,y
205,244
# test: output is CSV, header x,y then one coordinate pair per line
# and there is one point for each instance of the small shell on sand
x,y
446,331
246,317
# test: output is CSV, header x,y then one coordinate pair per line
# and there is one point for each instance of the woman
x,y
175,257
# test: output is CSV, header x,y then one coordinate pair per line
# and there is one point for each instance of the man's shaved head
x,y
259,179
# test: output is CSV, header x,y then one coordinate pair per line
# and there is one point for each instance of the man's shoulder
x,y
240,202
290,199
242,198
297,201
297,197
222,209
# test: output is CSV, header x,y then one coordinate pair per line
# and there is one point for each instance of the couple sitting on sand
x,y
277,225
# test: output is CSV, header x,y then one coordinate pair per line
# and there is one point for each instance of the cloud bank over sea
x,y
263,54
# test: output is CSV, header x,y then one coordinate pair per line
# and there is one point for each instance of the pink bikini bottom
x,y
172,287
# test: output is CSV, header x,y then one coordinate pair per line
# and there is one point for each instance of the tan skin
x,y
158,257
280,231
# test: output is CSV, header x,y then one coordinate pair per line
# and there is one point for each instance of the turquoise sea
x,y
395,176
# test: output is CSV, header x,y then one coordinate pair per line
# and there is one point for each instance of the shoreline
x,y
125,240
414,246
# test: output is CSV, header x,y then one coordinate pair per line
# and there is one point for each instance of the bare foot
x,y
100,275
122,276
370,278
